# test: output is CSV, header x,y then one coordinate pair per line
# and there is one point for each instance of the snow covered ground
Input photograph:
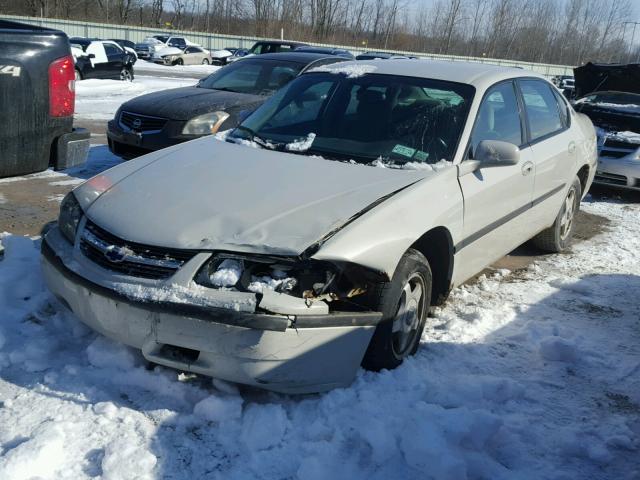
x,y
532,374
99,99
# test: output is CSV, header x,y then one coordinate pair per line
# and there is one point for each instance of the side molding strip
x,y
501,221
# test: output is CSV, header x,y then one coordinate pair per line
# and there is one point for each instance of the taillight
x,y
62,88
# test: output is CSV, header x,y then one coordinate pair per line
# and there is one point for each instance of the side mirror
x,y
92,55
495,153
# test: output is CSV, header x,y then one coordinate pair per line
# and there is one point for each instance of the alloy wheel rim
x,y
409,315
568,211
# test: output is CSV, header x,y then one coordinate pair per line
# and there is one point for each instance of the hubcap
x,y
409,315
568,210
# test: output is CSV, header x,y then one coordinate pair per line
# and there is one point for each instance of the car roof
x,y
281,42
299,57
480,75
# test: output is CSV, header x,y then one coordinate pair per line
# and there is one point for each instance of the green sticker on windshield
x,y
421,156
404,151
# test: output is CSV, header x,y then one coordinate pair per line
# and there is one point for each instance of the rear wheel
x,y
205,61
404,303
558,237
126,75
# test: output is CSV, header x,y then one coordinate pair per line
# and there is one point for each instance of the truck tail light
x,y
62,87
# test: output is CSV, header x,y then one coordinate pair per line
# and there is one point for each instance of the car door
x,y
115,60
554,148
192,56
98,60
496,199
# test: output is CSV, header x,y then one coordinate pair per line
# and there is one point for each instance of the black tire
x,y
387,349
179,62
558,236
126,74
205,61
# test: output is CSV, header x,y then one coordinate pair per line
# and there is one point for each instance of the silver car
x,y
317,236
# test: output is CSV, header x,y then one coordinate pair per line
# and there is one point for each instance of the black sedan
x,y
217,103
101,59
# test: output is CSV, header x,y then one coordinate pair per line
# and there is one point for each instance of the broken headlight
x,y
69,218
301,278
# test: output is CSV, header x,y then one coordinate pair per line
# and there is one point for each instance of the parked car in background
x,y
220,57
558,79
37,99
218,102
271,46
340,52
285,257
101,59
238,53
127,45
379,55
610,96
146,48
188,56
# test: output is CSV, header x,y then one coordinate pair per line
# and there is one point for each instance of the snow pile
x,y
100,99
301,145
436,167
227,274
527,374
351,70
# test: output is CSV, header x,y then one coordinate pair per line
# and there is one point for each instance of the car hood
x,y
209,194
594,77
187,102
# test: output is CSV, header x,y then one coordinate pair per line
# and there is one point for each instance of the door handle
x,y
527,168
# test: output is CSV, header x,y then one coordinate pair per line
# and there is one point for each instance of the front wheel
x,y
126,75
404,303
205,61
557,238
179,62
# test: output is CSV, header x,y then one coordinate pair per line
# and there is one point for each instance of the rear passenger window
x,y
541,108
562,108
498,117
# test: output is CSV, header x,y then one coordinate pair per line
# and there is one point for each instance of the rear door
x,y
496,199
554,148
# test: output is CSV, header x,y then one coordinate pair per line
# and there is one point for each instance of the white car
x,y
316,238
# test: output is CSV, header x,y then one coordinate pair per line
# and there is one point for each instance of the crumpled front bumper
x,y
283,353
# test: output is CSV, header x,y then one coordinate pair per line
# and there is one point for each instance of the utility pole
x,y
633,37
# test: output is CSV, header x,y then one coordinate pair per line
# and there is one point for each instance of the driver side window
x,y
498,117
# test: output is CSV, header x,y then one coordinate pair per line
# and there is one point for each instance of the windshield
x,y
253,76
162,38
392,118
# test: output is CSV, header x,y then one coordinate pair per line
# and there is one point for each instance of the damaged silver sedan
x,y
316,236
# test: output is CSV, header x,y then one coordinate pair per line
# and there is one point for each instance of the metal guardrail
x,y
75,28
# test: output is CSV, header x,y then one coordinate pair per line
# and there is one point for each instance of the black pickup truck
x,y
37,100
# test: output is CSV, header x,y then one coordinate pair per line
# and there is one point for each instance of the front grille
x,y
141,123
611,178
130,258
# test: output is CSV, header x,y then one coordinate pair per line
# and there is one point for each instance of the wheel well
x,y
437,246
583,175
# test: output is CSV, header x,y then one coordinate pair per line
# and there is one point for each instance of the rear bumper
x,y
72,149
283,353
618,172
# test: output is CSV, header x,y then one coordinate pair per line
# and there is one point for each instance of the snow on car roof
x,y
477,74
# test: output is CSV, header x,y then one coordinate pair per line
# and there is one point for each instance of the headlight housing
x,y
70,216
205,124
309,279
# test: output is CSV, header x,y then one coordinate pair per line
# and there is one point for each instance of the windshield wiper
x,y
254,137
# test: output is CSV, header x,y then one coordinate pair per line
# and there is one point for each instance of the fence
x,y
217,41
